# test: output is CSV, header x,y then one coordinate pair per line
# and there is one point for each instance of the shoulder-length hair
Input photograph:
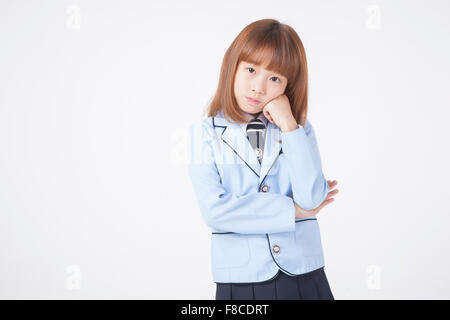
x,y
261,41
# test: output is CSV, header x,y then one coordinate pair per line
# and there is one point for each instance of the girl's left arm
x,y
309,186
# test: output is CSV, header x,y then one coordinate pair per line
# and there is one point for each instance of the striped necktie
x,y
255,134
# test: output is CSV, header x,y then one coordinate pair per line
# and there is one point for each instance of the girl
x,y
256,170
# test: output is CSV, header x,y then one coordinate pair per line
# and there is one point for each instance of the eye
x,y
250,68
279,80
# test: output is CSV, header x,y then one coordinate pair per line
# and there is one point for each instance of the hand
x,y
302,213
278,111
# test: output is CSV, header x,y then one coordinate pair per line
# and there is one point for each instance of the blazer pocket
x,y
229,250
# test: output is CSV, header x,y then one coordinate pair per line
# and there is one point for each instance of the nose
x,y
258,86
257,90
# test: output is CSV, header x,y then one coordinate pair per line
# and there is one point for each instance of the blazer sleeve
x,y
309,186
256,213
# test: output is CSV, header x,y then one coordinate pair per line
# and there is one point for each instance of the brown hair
x,y
264,39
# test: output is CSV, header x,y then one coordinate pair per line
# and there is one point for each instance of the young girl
x,y
255,166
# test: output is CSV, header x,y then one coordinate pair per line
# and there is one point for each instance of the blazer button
x,y
265,188
276,249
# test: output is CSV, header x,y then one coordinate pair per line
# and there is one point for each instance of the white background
x,y
95,101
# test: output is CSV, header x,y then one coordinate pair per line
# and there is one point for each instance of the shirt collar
x,y
250,117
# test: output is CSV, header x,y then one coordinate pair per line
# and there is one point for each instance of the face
x,y
257,83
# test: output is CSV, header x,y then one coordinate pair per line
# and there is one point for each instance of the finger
x,y
321,206
331,187
331,194
327,202
332,183
267,115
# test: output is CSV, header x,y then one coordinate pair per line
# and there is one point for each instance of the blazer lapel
x,y
235,138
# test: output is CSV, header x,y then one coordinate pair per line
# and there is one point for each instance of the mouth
x,y
254,101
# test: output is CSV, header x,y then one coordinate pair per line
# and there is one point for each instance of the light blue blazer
x,y
249,206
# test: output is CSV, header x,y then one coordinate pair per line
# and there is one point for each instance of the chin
x,y
253,110
253,113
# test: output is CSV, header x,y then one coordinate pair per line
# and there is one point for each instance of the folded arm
x,y
309,186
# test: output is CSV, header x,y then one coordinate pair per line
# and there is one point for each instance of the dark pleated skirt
x,y
308,286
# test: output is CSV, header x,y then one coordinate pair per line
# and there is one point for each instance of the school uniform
x,y
245,195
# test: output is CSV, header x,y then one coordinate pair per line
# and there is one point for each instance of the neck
x,y
253,115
